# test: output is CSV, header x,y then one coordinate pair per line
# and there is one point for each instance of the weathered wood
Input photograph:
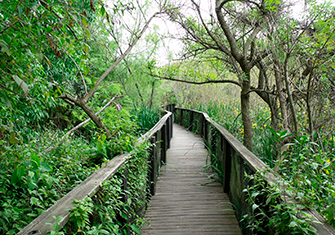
x,y
87,188
164,143
237,158
154,129
186,202
125,199
153,167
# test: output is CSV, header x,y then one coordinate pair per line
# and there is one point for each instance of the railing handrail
x,y
145,137
91,184
255,164
251,159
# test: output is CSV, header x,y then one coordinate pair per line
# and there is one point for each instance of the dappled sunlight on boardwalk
x,y
186,202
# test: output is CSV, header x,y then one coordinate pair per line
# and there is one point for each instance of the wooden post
x,y
203,121
206,134
125,198
152,176
181,117
191,120
226,148
164,143
169,136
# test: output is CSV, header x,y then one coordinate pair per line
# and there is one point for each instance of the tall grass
x,y
146,117
228,115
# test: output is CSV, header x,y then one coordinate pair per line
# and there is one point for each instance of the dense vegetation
x,y
80,80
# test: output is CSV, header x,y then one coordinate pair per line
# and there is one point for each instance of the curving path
x,y
186,202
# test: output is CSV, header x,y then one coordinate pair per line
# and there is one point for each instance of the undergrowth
x,y
306,166
114,209
271,211
31,181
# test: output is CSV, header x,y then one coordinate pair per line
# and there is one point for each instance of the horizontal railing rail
x,y
235,160
159,135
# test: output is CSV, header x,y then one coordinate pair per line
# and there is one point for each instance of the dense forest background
x,y
81,80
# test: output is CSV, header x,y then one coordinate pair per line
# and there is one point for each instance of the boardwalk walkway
x,y
184,203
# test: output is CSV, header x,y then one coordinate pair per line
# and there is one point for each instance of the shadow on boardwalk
x,y
185,201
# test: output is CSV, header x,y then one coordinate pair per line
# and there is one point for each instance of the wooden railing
x,y
235,160
160,136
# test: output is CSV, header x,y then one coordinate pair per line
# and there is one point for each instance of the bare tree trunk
x,y
309,109
82,104
245,110
79,126
282,100
152,94
139,93
270,99
94,117
82,101
289,94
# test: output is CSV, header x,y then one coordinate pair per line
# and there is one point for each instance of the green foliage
x,y
304,165
80,212
215,166
55,226
310,172
146,117
271,211
31,182
112,206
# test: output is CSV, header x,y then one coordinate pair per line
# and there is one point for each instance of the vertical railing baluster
x,y
191,120
227,165
168,134
163,144
181,117
153,166
125,198
206,135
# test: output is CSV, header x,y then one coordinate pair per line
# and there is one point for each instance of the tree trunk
x,y
245,109
290,98
94,117
139,92
152,94
268,98
282,100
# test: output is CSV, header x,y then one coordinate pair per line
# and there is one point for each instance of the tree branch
x,y
196,83
104,75
3,86
81,75
80,125
226,30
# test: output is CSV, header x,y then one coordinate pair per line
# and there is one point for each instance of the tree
x,y
234,36
50,34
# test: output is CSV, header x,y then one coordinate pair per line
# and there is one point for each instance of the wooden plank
x,y
185,201
322,227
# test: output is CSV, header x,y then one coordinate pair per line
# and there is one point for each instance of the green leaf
x,y
254,207
34,201
88,33
315,165
21,84
4,47
293,224
103,11
18,174
135,229
84,20
45,167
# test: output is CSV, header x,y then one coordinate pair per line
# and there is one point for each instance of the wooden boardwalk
x,y
185,201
